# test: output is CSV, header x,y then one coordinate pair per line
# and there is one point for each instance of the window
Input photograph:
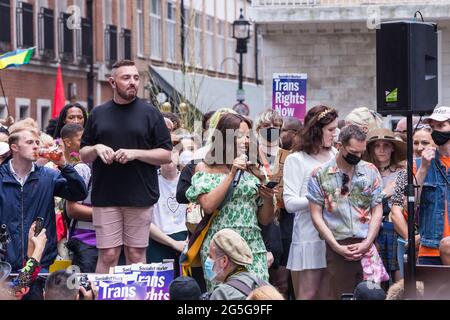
x,y
197,39
43,113
22,108
170,31
187,36
5,22
155,29
209,43
140,28
111,44
46,36
220,51
125,44
231,51
85,51
65,38
24,23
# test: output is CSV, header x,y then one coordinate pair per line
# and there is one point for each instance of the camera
x,y
4,240
84,282
39,226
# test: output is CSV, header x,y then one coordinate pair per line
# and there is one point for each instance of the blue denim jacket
x,y
432,204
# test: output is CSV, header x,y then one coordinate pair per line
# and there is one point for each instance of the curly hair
x,y
310,138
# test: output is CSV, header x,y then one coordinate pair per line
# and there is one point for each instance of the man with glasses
x,y
345,198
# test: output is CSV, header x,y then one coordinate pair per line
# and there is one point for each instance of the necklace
x,y
383,169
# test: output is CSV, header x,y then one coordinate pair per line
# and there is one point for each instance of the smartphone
x,y
39,226
271,184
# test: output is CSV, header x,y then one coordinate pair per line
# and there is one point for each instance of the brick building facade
x,y
147,31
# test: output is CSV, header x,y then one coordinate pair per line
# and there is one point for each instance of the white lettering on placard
x,y
285,112
152,281
286,85
119,292
289,98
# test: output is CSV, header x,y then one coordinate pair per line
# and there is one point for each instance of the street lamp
x,y
241,32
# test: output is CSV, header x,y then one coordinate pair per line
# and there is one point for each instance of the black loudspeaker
x,y
407,70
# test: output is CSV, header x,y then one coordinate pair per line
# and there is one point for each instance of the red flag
x,y
59,99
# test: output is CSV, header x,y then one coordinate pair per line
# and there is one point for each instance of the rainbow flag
x,y
16,58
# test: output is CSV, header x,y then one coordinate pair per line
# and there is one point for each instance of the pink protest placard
x,y
289,94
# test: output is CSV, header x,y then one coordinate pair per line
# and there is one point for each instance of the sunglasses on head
x,y
345,180
423,126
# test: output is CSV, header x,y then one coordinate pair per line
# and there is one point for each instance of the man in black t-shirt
x,y
126,139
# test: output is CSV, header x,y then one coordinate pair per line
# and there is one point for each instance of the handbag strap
x,y
243,287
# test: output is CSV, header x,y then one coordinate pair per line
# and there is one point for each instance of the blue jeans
x,y
401,243
430,261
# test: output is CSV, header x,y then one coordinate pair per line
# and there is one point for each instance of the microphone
x,y
239,172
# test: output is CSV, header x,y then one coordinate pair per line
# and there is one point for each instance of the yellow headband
x,y
323,114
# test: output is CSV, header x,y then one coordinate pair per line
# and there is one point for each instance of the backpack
x,y
243,287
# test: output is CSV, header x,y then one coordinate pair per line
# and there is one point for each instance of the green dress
x,y
238,214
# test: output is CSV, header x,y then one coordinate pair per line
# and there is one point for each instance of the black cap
x,y
184,288
368,290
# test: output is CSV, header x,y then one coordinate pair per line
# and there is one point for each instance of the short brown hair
x,y
123,63
349,132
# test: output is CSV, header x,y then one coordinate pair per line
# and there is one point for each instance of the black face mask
x,y
440,138
270,134
352,159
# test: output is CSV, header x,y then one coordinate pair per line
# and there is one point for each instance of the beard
x,y
126,94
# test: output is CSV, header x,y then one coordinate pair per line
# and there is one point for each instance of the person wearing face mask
x,y
434,178
271,158
421,140
226,265
307,261
345,199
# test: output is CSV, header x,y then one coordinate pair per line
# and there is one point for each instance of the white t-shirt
x,y
168,214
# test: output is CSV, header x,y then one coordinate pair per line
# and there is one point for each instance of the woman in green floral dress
x,y
250,202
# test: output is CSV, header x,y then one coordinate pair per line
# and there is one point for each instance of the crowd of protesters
x,y
297,210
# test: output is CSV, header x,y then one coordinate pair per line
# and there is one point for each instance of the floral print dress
x,y
239,214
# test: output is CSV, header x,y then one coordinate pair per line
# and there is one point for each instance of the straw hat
x,y
388,135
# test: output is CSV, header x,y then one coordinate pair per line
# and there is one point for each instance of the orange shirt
x,y
434,252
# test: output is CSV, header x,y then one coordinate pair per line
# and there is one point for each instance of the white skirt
x,y
307,250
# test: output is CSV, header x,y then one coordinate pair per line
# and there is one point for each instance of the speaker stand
x,y
410,271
